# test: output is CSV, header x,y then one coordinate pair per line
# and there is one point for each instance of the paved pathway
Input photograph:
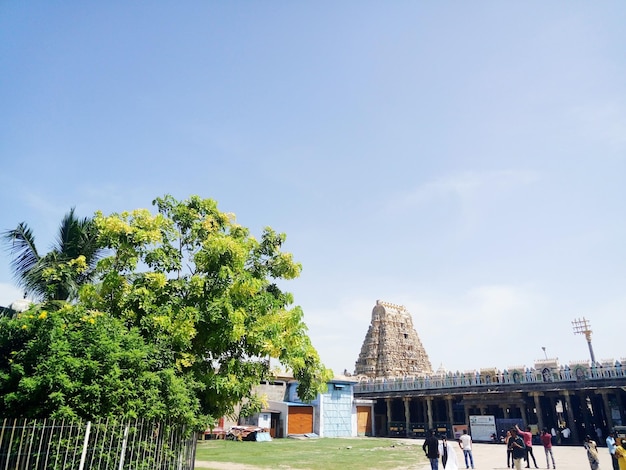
x,y
493,456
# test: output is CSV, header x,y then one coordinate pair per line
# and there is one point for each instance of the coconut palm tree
x,y
52,276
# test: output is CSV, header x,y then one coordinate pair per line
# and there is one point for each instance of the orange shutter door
x,y
364,420
300,420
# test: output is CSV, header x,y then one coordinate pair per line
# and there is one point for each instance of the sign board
x,y
457,430
482,427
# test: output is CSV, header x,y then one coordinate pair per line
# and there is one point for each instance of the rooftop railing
x,y
568,373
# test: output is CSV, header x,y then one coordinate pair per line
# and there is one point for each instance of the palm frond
x,y
78,237
75,237
20,243
64,242
33,281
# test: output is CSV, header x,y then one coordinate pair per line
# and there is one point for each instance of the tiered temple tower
x,y
392,347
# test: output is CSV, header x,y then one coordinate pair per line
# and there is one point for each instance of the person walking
x,y
465,443
546,441
431,449
518,449
448,454
528,442
610,444
592,453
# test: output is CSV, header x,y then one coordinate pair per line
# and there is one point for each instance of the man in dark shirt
x,y
518,449
431,449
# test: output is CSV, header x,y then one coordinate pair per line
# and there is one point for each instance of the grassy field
x,y
314,454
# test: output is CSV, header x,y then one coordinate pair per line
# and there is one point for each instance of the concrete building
x,y
334,413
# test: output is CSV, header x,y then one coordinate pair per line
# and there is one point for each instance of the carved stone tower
x,y
392,347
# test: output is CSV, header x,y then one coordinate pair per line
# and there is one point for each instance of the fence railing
x,y
579,372
101,445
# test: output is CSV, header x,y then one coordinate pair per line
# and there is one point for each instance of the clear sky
x,y
464,159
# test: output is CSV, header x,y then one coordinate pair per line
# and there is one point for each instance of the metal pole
x,y
582,327
81,466
593,357
123,452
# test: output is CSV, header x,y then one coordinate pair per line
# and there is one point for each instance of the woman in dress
x,y
592,453
448,454
620,455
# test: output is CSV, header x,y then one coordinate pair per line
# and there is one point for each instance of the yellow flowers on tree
x,y
204,291
176,321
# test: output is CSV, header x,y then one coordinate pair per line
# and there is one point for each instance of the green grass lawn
x,y
313,454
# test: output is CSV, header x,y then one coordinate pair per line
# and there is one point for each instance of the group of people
x,y
617,451
519,447
436,449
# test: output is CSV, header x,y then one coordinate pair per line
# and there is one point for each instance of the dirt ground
x,y
486,457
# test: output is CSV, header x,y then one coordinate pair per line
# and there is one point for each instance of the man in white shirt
x,y
465,442
610,443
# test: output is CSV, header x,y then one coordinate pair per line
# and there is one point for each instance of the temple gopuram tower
x,y
392,347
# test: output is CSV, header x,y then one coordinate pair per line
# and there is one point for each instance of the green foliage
x,y
181,323
197,284
58,274
74,363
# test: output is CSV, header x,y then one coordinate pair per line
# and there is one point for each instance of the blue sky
x,y
464,159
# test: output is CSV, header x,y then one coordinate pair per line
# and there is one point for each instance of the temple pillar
x,y
571,423
620,403
450,414
467,414
536,397
388,405
407,415
586,414
429,412
553,412
505,410
524,411
607,408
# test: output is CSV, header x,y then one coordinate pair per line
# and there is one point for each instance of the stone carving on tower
x,y
392,347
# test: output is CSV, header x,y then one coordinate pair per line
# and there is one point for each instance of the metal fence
x,y
101,445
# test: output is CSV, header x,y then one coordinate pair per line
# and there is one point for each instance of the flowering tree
x,y
180,323
204,290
